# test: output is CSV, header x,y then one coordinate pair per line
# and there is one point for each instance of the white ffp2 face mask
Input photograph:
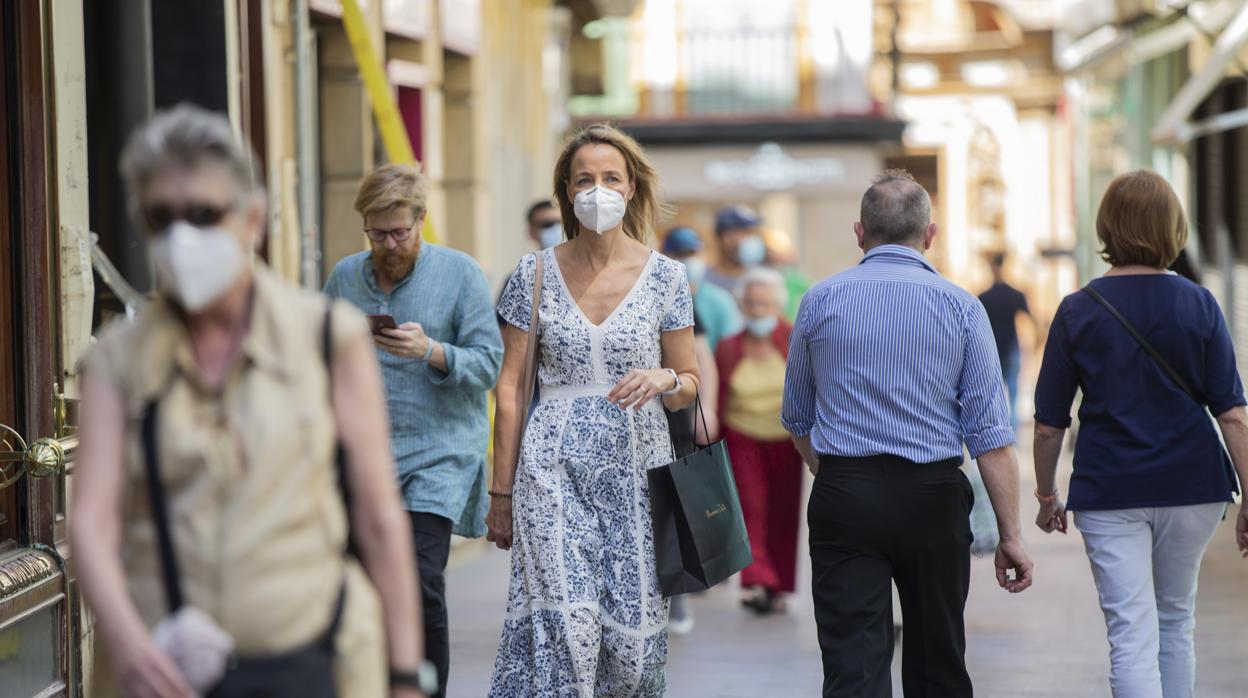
x,y
599,209
197,265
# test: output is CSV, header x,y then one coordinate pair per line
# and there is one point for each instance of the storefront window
x,y
30,653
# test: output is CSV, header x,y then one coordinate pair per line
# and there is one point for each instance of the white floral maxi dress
x,y
584,612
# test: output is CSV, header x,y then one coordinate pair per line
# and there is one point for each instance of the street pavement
x,y
1047,641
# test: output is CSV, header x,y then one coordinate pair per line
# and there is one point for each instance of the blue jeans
x,y
1011,361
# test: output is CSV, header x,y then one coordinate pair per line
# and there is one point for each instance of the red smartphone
x,y
381,322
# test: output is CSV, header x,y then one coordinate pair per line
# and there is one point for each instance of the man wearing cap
x,y
715,309
740,246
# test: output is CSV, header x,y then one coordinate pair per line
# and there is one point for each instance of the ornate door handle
x,y
44,458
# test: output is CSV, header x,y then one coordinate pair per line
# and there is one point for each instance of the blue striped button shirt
x,y
891,358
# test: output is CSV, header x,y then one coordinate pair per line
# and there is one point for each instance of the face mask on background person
x,y
197,265
550,236
752,252
599,209
695,269
761,326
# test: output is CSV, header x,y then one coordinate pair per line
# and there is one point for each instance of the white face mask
x,y
762,326
695,269
752,252
599,209
550,236
197,265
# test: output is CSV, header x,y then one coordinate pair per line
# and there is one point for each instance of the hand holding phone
x,y
381,322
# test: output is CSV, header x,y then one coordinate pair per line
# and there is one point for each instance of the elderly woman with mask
x,y
767,467
225,573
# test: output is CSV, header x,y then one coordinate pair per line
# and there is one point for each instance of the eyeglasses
x,y
399,234
201,215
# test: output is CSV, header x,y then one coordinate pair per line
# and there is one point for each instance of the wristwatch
x,y
424,679
676,388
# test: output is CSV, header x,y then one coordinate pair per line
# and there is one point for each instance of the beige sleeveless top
x,y
257,517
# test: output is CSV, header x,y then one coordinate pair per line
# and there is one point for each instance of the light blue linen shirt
x,y
890,358
439,425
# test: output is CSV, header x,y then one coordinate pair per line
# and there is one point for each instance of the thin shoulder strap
x,y
160,509
1144,344
340,455
525,396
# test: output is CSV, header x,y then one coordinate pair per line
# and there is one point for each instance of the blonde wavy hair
x,y
644,208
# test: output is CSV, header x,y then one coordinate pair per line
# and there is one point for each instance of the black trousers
x,y
432,536
880,518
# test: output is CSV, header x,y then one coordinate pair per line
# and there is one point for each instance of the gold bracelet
x,y
1046,499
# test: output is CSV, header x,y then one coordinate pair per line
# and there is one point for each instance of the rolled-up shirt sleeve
x,y
1058,381
983,410
798,412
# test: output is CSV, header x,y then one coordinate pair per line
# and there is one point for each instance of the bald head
x,y
896,210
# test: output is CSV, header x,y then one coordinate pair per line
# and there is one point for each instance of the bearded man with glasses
x,y
440,353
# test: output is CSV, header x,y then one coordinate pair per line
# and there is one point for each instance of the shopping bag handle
x,y
693,445
697,400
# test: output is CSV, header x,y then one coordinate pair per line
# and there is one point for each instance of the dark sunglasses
x,y
160,216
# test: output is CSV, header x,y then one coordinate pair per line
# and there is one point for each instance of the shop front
x,y
809,190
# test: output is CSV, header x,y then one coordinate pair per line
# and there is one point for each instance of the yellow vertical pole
x,y
805,60
380,95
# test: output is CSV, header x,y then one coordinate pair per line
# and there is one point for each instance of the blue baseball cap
x,y
682,240
735,217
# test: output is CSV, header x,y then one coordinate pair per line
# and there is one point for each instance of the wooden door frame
x,y
11,527
37,258
30,281
27,279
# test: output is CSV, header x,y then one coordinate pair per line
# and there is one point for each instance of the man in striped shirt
x,y
891,370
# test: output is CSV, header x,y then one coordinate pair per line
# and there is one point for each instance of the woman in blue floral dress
x,y
584,615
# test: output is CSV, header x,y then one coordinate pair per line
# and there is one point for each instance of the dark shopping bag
x,y
699,530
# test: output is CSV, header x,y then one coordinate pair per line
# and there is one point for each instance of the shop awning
x,y
1174,127
1131,46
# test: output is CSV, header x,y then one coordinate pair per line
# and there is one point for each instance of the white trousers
x,y
1145,563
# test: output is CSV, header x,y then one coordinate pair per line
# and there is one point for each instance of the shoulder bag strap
x,y
340,455
1144,344
160,510
524,397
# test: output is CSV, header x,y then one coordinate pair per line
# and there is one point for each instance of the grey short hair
x,y
896,209
766,277
183,137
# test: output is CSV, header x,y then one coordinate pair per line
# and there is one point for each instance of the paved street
x,y
1049,641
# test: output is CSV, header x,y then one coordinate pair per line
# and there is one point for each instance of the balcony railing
x,y
740,72
710,73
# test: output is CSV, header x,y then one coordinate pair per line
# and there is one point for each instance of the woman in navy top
x,y
1151,479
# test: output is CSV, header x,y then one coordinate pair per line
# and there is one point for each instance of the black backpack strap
x,y
1144,344
340,455
160,509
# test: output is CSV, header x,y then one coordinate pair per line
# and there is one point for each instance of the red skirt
x,y
769,482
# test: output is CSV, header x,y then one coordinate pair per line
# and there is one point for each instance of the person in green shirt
x,y
714,307
782,256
